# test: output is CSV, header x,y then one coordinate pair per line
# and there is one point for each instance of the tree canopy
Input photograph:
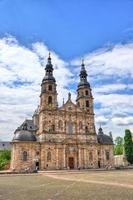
x,y
118,148
128,146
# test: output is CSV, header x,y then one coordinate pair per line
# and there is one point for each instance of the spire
x,y
49,63
63,101
49,70
49,54
83,75
82,65
100,130
49,58
69,96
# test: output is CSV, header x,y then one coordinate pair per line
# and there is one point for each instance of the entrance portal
x,y
71,162
37,165
99,164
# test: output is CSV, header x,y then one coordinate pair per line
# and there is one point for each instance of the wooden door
x,y
71,162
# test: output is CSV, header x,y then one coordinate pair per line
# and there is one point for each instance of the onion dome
x,y
83,77
49,71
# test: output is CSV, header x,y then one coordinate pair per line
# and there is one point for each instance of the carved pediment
x,y
70,106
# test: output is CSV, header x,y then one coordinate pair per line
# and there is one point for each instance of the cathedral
x,y
61,137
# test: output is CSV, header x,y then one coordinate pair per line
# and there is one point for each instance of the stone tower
x,y
84,94
48,96
48,88
85,99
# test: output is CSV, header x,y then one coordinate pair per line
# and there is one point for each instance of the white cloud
x,y
101,119
122,121
114,61
23,65
108,69
63,75
111,88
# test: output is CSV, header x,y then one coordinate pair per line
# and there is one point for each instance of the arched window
x,y
86,92
49,156
69,127
25,156
90,156
49,100
50,87
87,103
60,125
80,125
86,129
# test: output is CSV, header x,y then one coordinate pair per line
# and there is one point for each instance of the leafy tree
x,y
119,140
128,146
5,157
118,148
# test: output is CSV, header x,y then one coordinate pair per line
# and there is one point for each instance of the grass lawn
x,y
68,186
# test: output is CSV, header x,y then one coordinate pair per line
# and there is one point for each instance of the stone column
x,y
79,157
85,161
57,163
64,156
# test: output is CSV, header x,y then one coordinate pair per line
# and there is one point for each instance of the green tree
x,y
119,140
128,146
5,157
118,148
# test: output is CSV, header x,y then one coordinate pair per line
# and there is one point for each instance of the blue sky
x,y
100,31
71,28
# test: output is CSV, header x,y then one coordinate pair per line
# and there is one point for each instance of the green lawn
x,y
43,187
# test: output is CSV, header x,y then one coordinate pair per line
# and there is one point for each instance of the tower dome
x,y
24,135
102,138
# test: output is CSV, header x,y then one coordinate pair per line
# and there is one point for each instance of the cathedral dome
x,y
104,139
24,135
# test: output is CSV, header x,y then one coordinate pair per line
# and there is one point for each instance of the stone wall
x,y
57,156
33,152
104,161
120,160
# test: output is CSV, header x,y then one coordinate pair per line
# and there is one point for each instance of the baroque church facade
x,y
61,137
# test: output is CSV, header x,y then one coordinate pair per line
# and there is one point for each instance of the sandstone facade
x,y
61,137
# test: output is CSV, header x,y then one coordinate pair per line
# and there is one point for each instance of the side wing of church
x,y
61,137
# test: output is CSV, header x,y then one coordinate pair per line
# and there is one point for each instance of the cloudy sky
x,y
99,31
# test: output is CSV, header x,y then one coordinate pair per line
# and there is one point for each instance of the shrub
x,y
5,157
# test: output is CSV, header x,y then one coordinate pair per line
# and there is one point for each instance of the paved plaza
x,y
66,185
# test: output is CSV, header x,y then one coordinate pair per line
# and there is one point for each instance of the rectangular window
x,y
107,155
